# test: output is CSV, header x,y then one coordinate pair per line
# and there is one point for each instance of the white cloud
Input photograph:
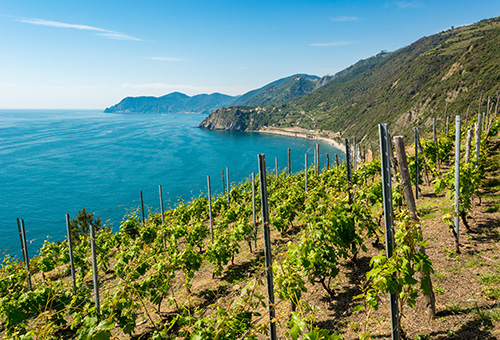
x,y
102,32
343,18
335,43
165,58
409,4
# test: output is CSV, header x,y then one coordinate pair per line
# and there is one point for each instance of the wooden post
x,y
417,178
426,175
276,166
327,162
389,232
478,139
267,246
289,163
254,215
94,269
405,176
337,160
210,210
142,209
430,301
161,208
70,250
457,182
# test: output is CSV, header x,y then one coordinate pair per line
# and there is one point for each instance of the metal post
x,y
434,130
389,233
457,182
161,207
70,249
25,255
21,238
417,177
254,215
355,155
447,124
227,184
267,245
305,171
223,185
467,145
142,208
94,268
316,169
348,164
210,210
289,163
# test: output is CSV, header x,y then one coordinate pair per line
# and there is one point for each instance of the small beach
x,y
297,132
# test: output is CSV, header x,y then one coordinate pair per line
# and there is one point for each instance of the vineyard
x,y
198,271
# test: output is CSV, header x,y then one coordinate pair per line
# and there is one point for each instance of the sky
x,y
60,54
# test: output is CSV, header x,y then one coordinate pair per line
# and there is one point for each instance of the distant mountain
x,y
443,74
172,103
278,92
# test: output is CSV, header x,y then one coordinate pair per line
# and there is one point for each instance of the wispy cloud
x,y
409,4
100,31
343,18
334,43
165,58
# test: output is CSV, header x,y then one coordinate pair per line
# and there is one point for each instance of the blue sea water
x,y
55,162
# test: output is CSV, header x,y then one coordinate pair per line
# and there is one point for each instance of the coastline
x,y
304,134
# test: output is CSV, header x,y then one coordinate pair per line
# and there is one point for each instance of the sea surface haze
x,y
55,162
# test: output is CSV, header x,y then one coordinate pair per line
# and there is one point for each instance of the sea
x,y
56,162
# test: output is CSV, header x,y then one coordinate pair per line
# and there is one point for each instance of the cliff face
x,y
230,119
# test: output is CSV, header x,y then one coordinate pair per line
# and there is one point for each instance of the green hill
x,y
435,76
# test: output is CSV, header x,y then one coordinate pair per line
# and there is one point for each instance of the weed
x,y
438,290
422,336
490,278
492,293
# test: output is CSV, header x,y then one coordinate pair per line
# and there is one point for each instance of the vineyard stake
x,y
349,175
416,163
289,163
161,207
142,208
405,176
354,155
327,162
254,216
276,167
316,170
227,184
223,185
389,233
426,175
337,160
21,238
457,182
478,139
447,124
94,268
267,245
70,249
210,210
25,255
467,145
306,174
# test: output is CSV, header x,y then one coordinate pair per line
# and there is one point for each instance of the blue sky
x,y
91,54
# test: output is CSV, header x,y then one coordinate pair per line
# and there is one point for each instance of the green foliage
x,y
79,226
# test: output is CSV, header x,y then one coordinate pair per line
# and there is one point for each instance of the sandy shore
x,y
323,136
